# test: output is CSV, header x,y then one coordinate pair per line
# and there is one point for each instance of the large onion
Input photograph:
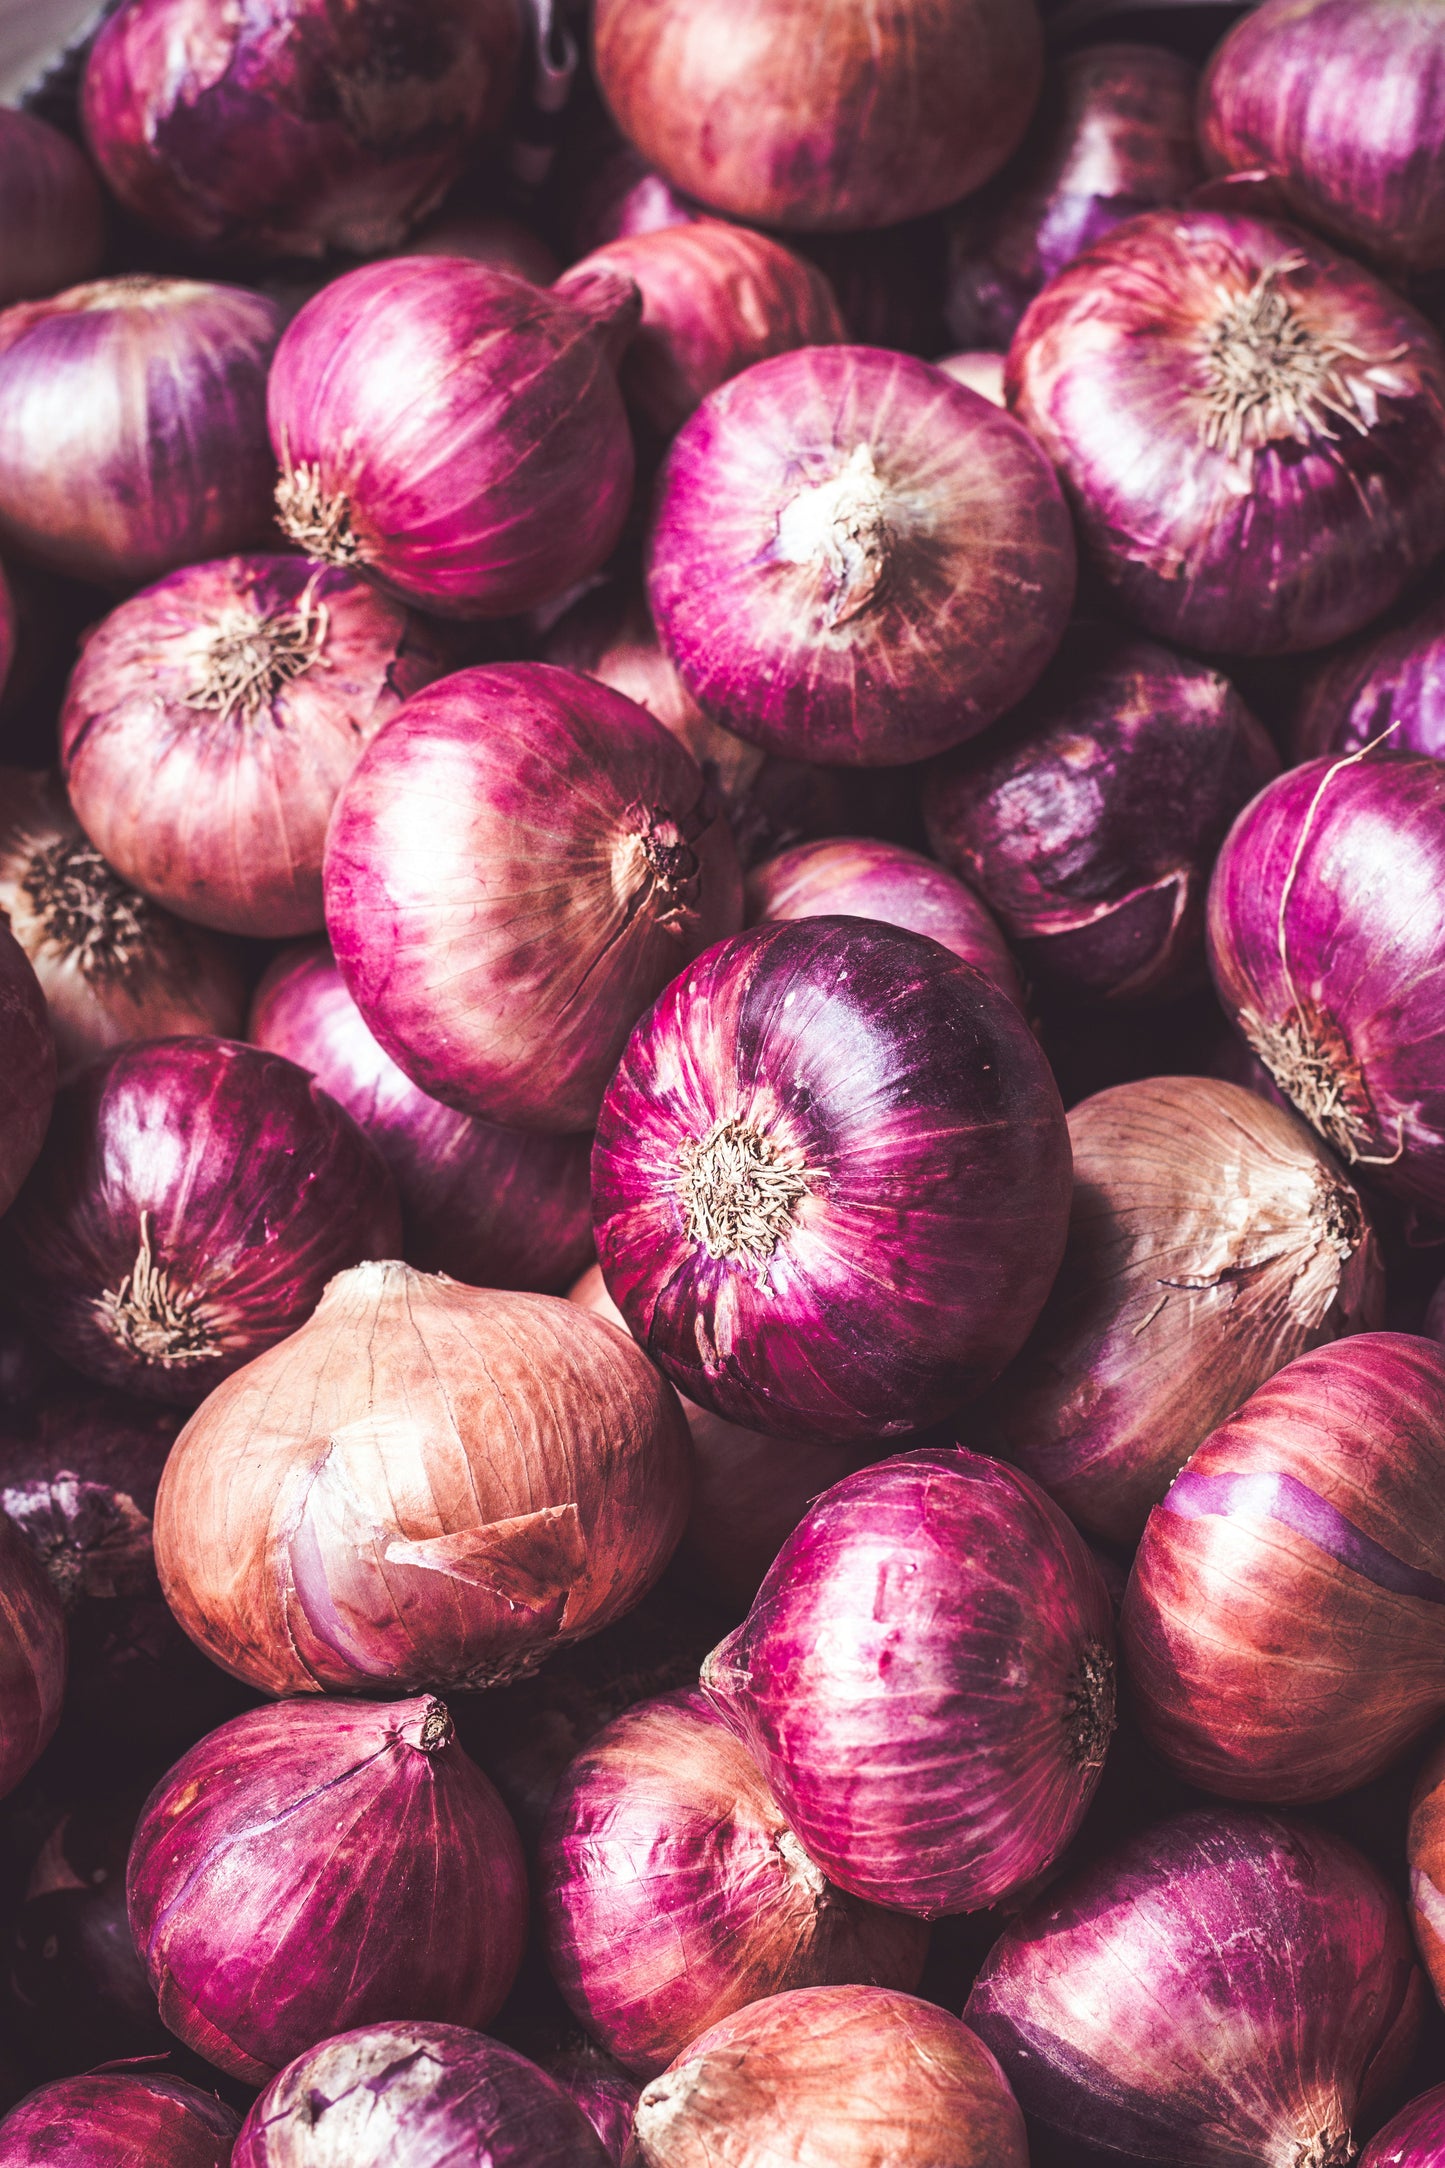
x,y
1388,683
51,210
32,1657
117,2118
27,1074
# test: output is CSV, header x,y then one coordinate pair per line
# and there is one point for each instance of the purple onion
x,y
604,2093
51,211
1387,684
109,2120
27,1074
32,1657
1415,2138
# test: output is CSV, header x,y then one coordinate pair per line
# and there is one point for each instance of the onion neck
x,y
1269,375
840,530
1326,2149
610,301
85,909
741,1193
429,1728
152,1317
316,519
802,1871
1089,1707
248,657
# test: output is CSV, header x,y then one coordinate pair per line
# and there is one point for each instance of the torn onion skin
x,y
1387,684
1415,2138
27,1075
111,2115
32,1657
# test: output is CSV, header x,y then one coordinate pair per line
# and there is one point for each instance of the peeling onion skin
x,y
824,2075
506,1476
109,2118
1415,2138
1212,1239
32,1657
606,2096
1282,1624
926,1681
855,559
1229,2058
194,1198
1388,683
54,215
1319,520
27,1074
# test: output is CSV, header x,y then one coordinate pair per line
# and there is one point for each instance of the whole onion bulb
x,y
133,426
824,2075
1426,1854
673,1892
1091,818
453,433
496,1207
605,2095
115,2117
790,121
503,1475
926,1680
1387,683
518,865
50,208
1250,429
193,1199
322,1864
1415,2138
854,559
1229,2056
1211,1241
32,1657
830,1181
1282,1622
212,720
113,966
291,127
27,1074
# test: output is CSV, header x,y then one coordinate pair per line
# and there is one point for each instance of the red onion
x,y
926,1680
1415,2138
855,559
1225,1988
1426,1854
290,128
193,1199
830,1182
605,2095
980,372
502,1476
1389,682
1282,1623
1251,430
112,2118
27,1074
826,2075
53,216
212,720
32,1657
518,865
132,426
453,433
788,120
488,237
607,191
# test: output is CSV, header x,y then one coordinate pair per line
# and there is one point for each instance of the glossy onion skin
x,y
1212,1239
518,865
317,1865
506,1476
1090,819
1426,1855
133,426
110,2119
768,119
243,1186
926,1681
929,1131
54,218
1388,683
813,649
1415,2138
284,127
824,2075
1228,2058
32,1657
431,2095
1282,1625
27,1074
1313,526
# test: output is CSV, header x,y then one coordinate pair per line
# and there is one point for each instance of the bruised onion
x,y
133,426
116,2117
1224,1988
1415,2138
1211,1241
193,1199
32,1657
502,1476
1388,683
606,2096
52,221
212,720
1251,430
27,1074
855,559
517,866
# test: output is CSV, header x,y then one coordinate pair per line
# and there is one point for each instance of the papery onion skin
x,y
606,2096
133,426
854,559
194,1197
1387,684
1415,2138
517,866
1282,1623
505,1477
111,2117
1227,2058
27,1074
212,719
926,1679
1212,1239
830,1181
1426,1858
672,1892
454,433
828,2074
1228,500
54,218
32,1657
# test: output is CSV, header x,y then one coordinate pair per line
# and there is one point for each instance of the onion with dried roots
x,y
32,1657
112,2118
27,1074
52,212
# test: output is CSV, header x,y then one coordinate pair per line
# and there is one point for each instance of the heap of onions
x,y
1388,683
52,221
1251,430
27,1074
1426,1854
1412,2139
503,1475
32,1657
112,2116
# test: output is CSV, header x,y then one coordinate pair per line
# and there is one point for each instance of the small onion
x,y
132,426
1388,683
1282,1625
982,372
51,215
1211,1241
453,433
502,1476
1251,430
854,559
518,865
212,720
32,1657
1415,2138
27,1074
926,1680
607,191
606,2096
828,2075
193,1199
109,2120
